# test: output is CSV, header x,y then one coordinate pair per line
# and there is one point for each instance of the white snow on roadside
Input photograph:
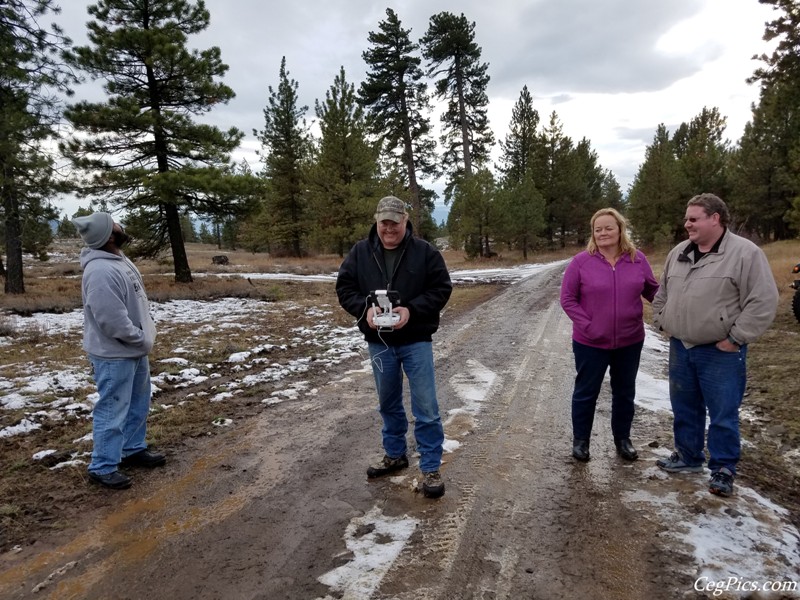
x,y
374,541
472,386
738,542
652,387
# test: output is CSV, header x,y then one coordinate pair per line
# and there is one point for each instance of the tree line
x,y
143,151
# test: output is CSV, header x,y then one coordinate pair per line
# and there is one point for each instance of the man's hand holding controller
x,y
382,315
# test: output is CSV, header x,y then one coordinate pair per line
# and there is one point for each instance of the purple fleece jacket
x,y
605,302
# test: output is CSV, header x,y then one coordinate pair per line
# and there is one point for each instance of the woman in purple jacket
x,y
602,294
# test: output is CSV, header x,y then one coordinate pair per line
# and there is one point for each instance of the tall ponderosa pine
x,y
31,72
343,178
521,203
455,59
286,148
397,99
141,150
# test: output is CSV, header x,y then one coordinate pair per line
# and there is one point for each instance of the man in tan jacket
x,y
717,295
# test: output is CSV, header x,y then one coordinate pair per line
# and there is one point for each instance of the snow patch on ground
x,y
374,541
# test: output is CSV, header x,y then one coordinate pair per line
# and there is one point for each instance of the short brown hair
x,y
711,204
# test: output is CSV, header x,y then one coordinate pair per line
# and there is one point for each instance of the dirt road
x,y
262,513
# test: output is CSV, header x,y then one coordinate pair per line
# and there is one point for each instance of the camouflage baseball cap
x,y
390,208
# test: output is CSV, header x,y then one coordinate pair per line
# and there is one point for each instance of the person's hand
x,y
400,310
371,312
727,346
404,316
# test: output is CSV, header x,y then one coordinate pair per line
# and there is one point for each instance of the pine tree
x,y
521,203
657,198
703,152
587,196
554,173
343,178
141,150
286,148
770,147
398,103
455,59
765,169
473,220
31,72
66,229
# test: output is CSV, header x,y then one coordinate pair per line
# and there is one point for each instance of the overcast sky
x,y
611,69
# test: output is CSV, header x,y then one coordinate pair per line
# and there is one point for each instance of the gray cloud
x,y
563,47
602,47
560,49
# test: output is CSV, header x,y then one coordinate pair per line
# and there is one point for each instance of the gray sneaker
x,y
721,482
675,464
432,485
387,465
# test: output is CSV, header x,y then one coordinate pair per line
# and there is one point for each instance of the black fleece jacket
x,y
420,278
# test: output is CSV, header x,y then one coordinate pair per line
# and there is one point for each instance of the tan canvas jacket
x,y
727,293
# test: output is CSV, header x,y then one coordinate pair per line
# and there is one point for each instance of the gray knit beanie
x,y
95,229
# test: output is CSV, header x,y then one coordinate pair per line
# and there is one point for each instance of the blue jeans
x,y
703,378
120,415
388,365
590,366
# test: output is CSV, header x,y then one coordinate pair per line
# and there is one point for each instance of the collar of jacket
x,y
691,247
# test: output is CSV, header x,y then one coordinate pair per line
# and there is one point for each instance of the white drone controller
x,y
386,319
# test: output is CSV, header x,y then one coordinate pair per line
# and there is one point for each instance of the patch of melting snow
x,y
472,386
374,541
745,536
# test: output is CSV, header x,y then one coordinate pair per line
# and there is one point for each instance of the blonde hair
x,y
626,246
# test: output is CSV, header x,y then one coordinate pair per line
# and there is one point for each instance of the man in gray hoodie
x,y
118,335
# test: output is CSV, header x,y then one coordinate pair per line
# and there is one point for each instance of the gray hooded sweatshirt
x,y
117,321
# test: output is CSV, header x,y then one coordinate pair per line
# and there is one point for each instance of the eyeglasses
x,y
695,219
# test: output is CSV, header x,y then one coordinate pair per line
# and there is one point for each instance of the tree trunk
x,y
14,283
408,151
462,115
182,272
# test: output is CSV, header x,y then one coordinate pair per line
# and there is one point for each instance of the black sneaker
x,y
675,464
144,458
721,483
432,485
387,465
115,480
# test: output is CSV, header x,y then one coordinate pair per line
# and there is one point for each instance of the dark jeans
x,y
704,379
591,365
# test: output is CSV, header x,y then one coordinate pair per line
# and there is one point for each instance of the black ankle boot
x,y
626,450
580,450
